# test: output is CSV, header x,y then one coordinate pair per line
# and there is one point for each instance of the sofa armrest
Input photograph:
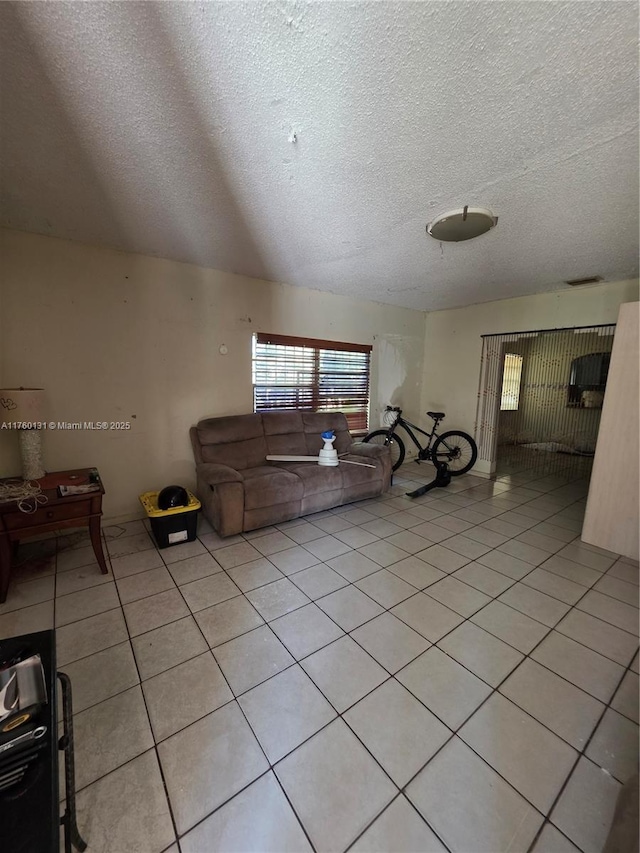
x,y
214,474
373,451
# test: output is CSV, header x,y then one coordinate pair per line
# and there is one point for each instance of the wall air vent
x,y
576,282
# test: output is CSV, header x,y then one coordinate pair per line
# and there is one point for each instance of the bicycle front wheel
x,y
457,449
395,445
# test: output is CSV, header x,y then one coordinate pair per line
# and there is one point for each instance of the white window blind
x,y
510,398
312,375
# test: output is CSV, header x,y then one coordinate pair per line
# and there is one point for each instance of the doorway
x,y
540,400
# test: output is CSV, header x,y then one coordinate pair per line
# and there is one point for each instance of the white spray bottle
x,y
328,456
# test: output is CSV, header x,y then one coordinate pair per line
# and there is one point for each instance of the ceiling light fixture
x,y
462,224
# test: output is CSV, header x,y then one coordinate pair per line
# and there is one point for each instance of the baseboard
x,y
474,472
484,468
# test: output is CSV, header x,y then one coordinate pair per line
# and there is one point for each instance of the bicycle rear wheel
x,y
381,436
457,449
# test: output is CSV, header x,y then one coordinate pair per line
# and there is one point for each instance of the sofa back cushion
x,y
315,423
237,441
243,441
284,433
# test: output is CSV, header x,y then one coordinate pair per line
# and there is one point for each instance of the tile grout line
x,y
583,754
494,690
454,733
380,569
400,795
387,609
193,615
266,556
353,583
234,699
146,709
339,716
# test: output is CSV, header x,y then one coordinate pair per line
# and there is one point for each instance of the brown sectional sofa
x,y
240,490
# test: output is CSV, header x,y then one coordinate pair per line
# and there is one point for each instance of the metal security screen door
x,y
312,375
540,398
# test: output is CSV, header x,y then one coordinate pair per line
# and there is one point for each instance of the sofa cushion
x,y
321,501
265,485
284,433
237,454
274,514
282,422
355,474
213,473
315,478
232,428
291,443
237,441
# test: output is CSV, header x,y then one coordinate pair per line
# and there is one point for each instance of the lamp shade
x,y
25,405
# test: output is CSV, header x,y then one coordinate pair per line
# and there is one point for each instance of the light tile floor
x,y
457,672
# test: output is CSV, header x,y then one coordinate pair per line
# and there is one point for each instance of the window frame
x,y
358,420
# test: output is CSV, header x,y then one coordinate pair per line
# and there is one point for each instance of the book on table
x,y
82,489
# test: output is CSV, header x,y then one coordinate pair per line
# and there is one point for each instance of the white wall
x,y
453,342
113,336
611,517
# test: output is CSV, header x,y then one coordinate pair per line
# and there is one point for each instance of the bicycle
x,y
455,447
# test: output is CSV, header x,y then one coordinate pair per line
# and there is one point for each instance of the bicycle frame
x,y
423,452
455,450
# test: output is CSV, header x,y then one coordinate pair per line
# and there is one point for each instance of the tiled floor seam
x,y
387,609
223,804
146,709
454,733
339,715
452,574
527,655
582,754
521,580
270,765
422,818
298,660
547,822
484,761
508,675
573,607
234,699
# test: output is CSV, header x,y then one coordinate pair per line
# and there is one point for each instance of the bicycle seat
x,y
437,416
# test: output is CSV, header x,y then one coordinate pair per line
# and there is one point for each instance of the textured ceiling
x,y
311,142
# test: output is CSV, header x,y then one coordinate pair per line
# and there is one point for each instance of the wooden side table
x,y
58,513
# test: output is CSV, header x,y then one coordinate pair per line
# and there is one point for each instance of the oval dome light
x,y
462,224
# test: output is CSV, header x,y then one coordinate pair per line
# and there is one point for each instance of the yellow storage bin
x,y
171,526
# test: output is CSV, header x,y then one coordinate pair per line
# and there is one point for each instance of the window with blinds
x,y
510,398
312,375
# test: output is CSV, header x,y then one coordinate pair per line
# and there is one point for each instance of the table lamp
x,y
24,407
